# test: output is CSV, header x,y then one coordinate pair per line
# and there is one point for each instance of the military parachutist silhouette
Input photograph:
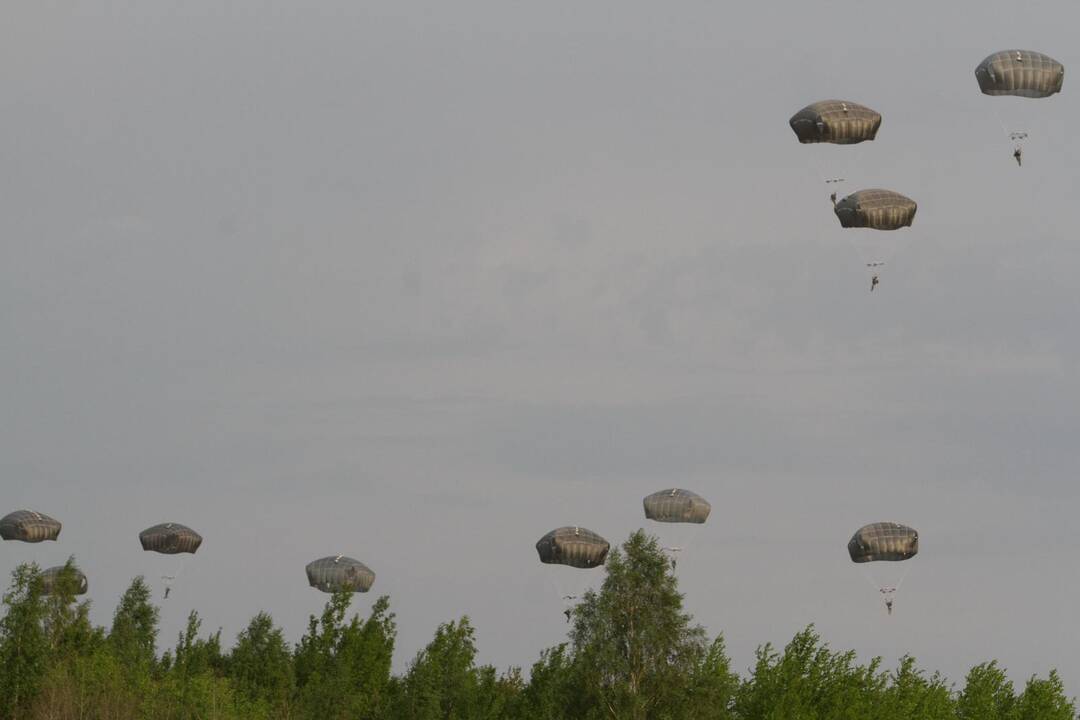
x,y
874,283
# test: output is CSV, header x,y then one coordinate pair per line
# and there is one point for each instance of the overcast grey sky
x,y
418,282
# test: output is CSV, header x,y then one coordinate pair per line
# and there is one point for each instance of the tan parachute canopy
x,y
1021,73
886,541
170,539
676,506
338,572
28,526
51,577
573,546
875,209
835,121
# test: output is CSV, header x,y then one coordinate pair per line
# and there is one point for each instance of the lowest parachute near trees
x,y
338,572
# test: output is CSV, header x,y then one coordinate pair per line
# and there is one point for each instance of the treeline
x,y
633,652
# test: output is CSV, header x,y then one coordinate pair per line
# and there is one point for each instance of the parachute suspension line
x,y
907,569
170,579
865,572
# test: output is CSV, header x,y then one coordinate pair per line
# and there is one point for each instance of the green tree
x,y
987,695
24,646
553,691
1044,700
443,682
133,636
808,680
343,669
67,622
634,645
713,685
260,666
192,685
911,694
92,685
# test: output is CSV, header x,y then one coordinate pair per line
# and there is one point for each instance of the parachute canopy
x,y
170,539
573,546
338,572
29,526
53,575
875,209
883,541
676,506
835,121
1022,73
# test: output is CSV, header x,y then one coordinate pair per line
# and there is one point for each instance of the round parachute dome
x,y
338,572
1021,73
676,506
170,539
28,526
573,546
875,209
51,576
883,541
835,121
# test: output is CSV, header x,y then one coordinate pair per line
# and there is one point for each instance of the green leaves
x,y
343,670
634,653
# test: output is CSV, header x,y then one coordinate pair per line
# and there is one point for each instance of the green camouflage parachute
x,y
883,541
52,577
28,526
835,121
676,506
338,572
170,539
875,209
573,546
1021,73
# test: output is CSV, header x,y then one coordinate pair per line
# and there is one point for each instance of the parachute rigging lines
x,y
875,209
170,539
681,507
1023,74
884,542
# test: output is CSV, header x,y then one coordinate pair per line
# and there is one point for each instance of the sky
x,y
418,282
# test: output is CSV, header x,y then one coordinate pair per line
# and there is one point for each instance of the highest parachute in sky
x,y
1022,73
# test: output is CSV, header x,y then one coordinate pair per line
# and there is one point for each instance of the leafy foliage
x,y
633,653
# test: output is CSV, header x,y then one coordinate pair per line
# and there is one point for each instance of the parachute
x,y
884,542
29,526
1022,73
338,572
54,575
676,506
877,210
835,121
170,539
573,546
